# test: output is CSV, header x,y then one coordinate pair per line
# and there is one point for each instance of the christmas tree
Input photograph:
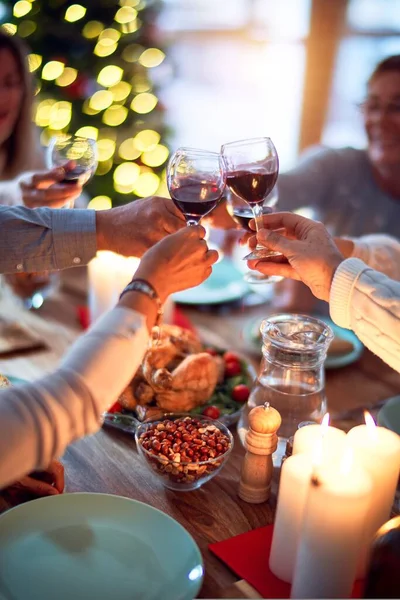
x,y
94,65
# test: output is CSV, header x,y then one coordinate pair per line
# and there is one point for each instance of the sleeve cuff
x,y
343,283
120,322
74,235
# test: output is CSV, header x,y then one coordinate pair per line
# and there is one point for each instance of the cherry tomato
x,y
240,393
211,351
233,368
231,357
212,412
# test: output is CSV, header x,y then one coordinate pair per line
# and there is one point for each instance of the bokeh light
x,y
110,75
88,132
144,103
67,77
115,115
21,8
100,203
125,176
146,184
103,48
152,57
128,150
147,140
74,13
104,167
109,36
155,157
125,14
105,148
101,100
26,28
120,91
92,29
34,62
52,70
132,52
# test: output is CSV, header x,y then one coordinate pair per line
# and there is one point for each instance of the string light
x,y
88,132
110,75
34,62
152,57
144,103
21,8
101,100
67,77
100,203
74,13
146,184
125,14
92,29
115,115
52,70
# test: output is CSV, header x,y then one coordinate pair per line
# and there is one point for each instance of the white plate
x,y
95,547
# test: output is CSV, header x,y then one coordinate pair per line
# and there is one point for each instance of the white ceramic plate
x,y
95,547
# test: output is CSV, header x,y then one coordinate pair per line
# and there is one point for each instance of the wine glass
x,y
78,154
196,182
252,168
242,214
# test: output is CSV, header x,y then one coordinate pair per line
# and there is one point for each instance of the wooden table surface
x,y
108,461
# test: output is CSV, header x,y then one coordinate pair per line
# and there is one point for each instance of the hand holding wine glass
x,y
196,181
76,154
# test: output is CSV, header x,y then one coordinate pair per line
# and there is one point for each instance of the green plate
x,y
389,415
95,547
251,333
225,284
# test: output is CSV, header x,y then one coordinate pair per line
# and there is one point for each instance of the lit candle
x,y
293,490
332,531
333,439
109,273
378,450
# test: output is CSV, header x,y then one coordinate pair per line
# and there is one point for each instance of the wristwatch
x,y
144,287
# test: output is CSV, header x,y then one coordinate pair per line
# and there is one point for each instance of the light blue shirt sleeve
x,y
44,239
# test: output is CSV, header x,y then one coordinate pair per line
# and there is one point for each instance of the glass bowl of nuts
x,y
184,451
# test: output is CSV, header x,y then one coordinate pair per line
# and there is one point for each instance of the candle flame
x,y
347,461
369,421
325,423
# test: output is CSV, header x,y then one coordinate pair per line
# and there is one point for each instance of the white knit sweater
x,y
365,295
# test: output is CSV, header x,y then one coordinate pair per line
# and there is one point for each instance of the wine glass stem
x,y
191,223
258,218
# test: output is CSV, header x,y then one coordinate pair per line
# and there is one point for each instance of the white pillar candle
x,y
293,489
109,273
378,450
332,531
333,441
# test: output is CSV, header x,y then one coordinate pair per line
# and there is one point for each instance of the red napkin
x,y
178,318
247,555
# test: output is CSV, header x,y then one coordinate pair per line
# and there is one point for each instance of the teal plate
x,y
95,546
251,334
225,284
389,415
15,380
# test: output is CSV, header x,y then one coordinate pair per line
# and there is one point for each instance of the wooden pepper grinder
x,y
261,443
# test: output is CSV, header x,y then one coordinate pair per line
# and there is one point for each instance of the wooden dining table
x,y
108,462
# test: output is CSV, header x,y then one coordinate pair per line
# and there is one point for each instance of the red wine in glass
x,y
252,186
194,198
76,175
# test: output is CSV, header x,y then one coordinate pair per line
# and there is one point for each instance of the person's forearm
x,y
10,193
368,302
38,420
45,240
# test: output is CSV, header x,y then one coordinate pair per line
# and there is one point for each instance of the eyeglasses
x,y
373,109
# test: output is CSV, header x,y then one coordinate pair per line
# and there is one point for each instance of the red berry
x,y
211,351
231,357
212,412
233,368
240,393
115,408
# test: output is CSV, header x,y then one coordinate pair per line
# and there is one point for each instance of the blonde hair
x,y
21,147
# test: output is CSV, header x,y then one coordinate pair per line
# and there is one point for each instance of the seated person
x,y
38,420
360,297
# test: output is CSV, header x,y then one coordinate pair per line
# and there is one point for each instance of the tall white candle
x,y
333,440
109,273
378,450
293,489
332,531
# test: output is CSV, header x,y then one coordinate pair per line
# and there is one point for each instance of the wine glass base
x,y
262,253
258,278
